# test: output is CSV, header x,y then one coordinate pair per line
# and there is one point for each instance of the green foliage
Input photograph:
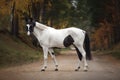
x,y
56,13
89,15
4,22
96,10
80,16
105,19
115,54
13,51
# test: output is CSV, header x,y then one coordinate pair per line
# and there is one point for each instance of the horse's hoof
x,y
56,69
85,70
76,69
79,67
45,67
42,70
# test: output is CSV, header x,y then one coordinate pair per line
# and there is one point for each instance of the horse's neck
x,y
38,29
37,32
41,26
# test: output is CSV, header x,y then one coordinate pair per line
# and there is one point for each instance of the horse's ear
x,y
31,19
26,19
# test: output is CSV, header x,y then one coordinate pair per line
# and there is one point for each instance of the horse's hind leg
x,y
77,69
81,49
54,59
79,56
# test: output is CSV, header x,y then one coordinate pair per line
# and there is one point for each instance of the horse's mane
x,y
41,26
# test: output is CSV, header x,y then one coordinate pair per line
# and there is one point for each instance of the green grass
x,y
115,53
15,52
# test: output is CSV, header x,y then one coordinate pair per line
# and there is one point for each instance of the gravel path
x,y
100,68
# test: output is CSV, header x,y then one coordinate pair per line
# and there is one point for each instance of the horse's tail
x,y
87,47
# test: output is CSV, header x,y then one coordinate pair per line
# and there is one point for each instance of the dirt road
x,y
100,68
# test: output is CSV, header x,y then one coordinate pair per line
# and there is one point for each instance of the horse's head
x,y
30,24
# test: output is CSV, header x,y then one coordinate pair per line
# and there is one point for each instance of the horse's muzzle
x,y
28,33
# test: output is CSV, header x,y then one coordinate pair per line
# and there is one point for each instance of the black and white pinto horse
x,y
49,38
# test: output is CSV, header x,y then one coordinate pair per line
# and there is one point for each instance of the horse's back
x,y
78,30
77,34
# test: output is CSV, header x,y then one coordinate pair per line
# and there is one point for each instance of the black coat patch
x,y
78,53
68,41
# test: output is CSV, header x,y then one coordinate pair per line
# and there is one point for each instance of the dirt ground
x,y
100,68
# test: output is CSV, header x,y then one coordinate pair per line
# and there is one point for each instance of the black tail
x,y
87,47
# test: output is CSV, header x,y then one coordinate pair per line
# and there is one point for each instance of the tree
x,y
14,21
107,13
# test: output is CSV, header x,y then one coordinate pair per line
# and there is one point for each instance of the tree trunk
x,y
35,10
44,7
16,25
12,18
14,21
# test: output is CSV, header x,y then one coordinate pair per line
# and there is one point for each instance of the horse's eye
x,y
31,29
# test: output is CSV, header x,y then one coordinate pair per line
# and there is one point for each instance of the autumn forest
x,y
100,18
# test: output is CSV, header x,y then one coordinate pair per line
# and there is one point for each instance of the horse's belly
x,y
57,43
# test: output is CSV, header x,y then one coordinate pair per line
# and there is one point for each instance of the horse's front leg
x,y
54,59
45,51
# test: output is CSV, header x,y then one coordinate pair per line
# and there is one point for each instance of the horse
x,y
49,38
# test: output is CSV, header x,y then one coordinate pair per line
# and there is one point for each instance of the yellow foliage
x,y
4,7
103,36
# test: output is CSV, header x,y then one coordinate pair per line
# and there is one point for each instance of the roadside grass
x,y
113,53
116,51
15,52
